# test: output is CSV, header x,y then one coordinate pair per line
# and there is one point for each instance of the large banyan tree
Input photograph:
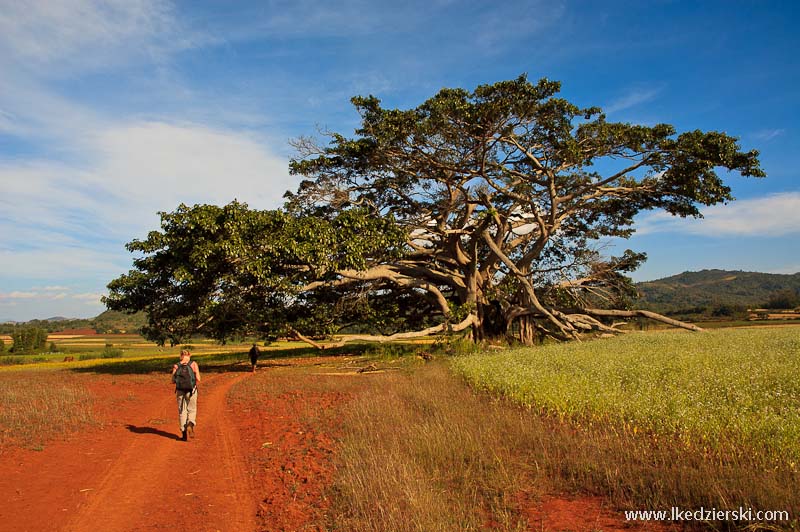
x,y
475,211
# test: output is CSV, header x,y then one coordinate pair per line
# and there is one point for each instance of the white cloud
x,y
766,135
88,296
40,306
19,295
68,222
768,216
632,98
156,165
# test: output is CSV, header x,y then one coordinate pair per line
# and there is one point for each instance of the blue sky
x,y
111,111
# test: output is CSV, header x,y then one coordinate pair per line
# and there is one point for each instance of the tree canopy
x,y
473,210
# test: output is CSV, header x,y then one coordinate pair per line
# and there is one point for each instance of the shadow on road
x,y
151,430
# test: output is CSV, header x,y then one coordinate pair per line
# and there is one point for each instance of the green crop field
x,y
89,350
725,392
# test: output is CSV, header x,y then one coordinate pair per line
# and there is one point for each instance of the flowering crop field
x,y
734,391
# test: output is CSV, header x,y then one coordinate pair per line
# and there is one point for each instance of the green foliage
x,y
729,311
47,325
784,299
2,345
731,391
229,272
110,352
28,339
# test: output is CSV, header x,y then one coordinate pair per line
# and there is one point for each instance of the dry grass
x,y
36,406
420,452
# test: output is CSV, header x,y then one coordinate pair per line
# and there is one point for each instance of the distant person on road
x,y
186,376
254,354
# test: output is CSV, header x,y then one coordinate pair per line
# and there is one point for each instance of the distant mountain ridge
x,y
710,288
109,321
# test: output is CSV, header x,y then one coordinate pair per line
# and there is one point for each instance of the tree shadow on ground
x,y
235,362
151,430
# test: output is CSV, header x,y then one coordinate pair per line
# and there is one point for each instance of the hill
x,y
709,290
112,321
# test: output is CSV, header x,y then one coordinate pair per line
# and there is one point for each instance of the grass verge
x,y
40,406
420,451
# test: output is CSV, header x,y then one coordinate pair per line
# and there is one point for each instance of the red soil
x,y
254,465
555,514
291,461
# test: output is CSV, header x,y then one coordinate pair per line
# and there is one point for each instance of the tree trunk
x,y
527,330
492,322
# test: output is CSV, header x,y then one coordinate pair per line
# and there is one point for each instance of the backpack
x,y
184,378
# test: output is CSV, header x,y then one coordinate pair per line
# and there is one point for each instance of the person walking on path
x,y
254,354
186,376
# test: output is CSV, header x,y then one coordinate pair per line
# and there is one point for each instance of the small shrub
x,y
53,347
456,347
111,353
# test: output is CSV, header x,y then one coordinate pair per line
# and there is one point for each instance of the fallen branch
x,y
644,314
467,322
305,339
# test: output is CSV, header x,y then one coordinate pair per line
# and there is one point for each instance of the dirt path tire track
x,y
163,483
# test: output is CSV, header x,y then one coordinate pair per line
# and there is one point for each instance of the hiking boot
x,y
190,429
183,435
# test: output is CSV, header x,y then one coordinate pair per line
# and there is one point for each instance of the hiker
x,y
186,375
254,353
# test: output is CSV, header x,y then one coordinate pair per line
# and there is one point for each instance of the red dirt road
x,y
133,473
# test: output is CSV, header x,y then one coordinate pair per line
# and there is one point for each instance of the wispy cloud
x,y
55,36
769,216
632,98
19,295
73,220
44,296
91,297
27,305
765,135
501,24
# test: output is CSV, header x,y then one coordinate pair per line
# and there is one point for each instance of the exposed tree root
x,y
571,325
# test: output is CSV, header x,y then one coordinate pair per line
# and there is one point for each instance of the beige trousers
x,y
187,408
